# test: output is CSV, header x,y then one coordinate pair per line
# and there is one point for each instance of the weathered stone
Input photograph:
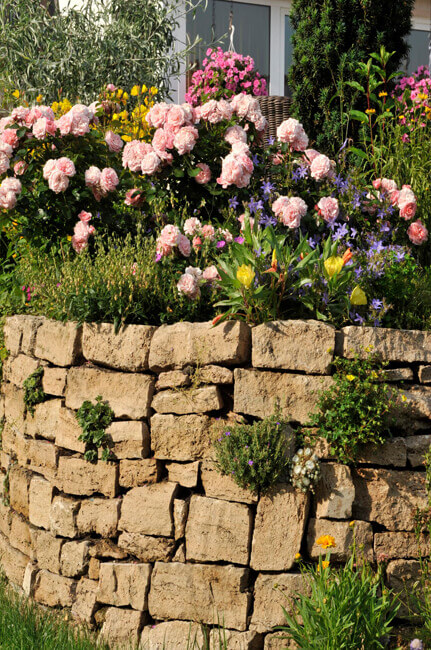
x,y
42,457
186,474
122,627
12,561
175,635
393,452
29,326
389,546
398,374
53,590
29,581
78,476
84,605
63,516
391,344
187,437
180,555
148,510
257,393
182,402
425,374
416,407
68,431
47,550
335,492
14,407
402,576
218,531
223,487
128,394
74,559
20,368
292,345
15,444
182,344
343,534
389,497
104,548
46,420
208,593
54,381
99,516
94,568
40,498
271,593
19,485
279,641
214,375
250,640
12,333
181,510
279,526
134,473
19,536
128,349
417,447
129,439
59,343
147,548
124,585
173,379
5,511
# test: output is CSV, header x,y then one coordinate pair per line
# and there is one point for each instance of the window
x,y
418,40
288,52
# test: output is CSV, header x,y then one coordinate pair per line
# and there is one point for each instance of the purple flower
x,y
271,141
416,644
250,462
267,188
221,243
158,257
255,159
58,284
342,231
376,304
239,240
233,203
227,433
267,220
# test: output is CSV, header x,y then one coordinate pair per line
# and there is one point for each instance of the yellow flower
x,y
422,96
144,89
119,93
15,94
350,377
69,237
383,94
126,96
374,375
326,541
325,565
39,99
358,297
245,275
403,398
401,117
126,138
333,265
352,523
370,111
298,556
135,91
153,90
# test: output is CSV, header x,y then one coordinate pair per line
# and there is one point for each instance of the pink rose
x,y
208,232
150,163
185,139
292,132
162,140
48,168
108,180
85,217
320,167
184,245
10,137
111,88
133,154
293,212
79,245
81,230
92,176
66,166
113,141
4,163
20,168
162,248
408,210
43,127
226,234
156,116
204,176
387,185
176,116
407,203
328,208
242,220
33,115
211,274
6,148
11,184
197,243
169,235
192,226
58,182
188,286
18,115
134,198
310,155
417,233
7,200
279,205
240,148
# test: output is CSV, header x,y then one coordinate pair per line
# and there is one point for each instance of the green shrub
x,y
94,419
33,390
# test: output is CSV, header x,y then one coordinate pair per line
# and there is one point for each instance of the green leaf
x,y
359,115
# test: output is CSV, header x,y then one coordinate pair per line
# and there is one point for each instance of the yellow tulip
x,y
333,265
358,297
126,96
245,275
153,90
144,88
135,91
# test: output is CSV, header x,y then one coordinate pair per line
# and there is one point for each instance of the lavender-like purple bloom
x,y
250,462
376,304
267,188
233,203
239,240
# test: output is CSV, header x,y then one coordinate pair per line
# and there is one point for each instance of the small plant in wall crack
x,y
33,390
94,419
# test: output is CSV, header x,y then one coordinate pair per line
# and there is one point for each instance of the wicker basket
x,y
276,109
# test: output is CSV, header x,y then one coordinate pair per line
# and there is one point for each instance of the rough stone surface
x,y
392,345
223,487
134,473
78,476
185,474
46,420
59,343
104,548
181,510
19,368
148,510
63,516
393,452
417,447
389,497
401,576
400,545
122,627
271,593
53,590
12,332
176,346
343,533
175,635
129,439
277,641
173,379
40,498
183,438
29,580
19,536
68,431
279,525
147,548
425,374
335,492
14,407
99,516
128,394
214,375
124,585
42,457
398,374
127,349
29,328
291,345
74,558
54,381
19,486
47,550
94,568
84,605
12,561
257,392
418,407
182,402
208,593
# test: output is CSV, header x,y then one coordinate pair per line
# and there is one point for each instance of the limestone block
x,y
271,593
42,457
122,627
59,343
250,640
74,558
214,375
15,444
279,526
389,497
13,562
176,346
129,439
398,374
47,550
393,345
99,516
134,473
205,592
29,581
147,548
105,548
181,438
45,421
417,407
180,555
393,452
84,605
278,641
417,447
20,367
40,498
29,326
402,576
12,333
343,534
175,635
68,431
181,510
62,516
14,407
128,349
78,476
306,345
185,474
335,492
124,585
128,394
94,568
425,374
389,546
53,590
194,400
218,531
218,486
148,510
173,379
5,511
256,393
19,536
54,381
19,485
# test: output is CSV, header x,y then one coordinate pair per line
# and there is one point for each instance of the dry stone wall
x,y
156,541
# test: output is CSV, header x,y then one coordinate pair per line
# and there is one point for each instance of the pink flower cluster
x,y
193,278
172,238
101,182
82,231
224,74
290,210
114,141
292,132
140,157
9,189
237,167
404,199
57,173
76,121
8,142
328,208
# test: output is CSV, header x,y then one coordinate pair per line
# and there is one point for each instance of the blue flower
x,y
267,188
233,203
376,304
